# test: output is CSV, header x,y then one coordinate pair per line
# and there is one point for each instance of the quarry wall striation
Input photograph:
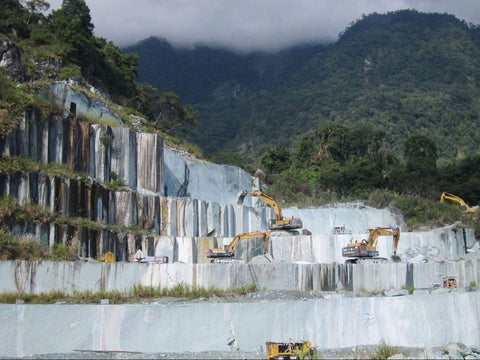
x,y
46,276
411,321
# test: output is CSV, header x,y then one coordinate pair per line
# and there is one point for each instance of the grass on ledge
x,y
137,294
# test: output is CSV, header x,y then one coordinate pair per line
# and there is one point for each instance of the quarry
x,y
184,206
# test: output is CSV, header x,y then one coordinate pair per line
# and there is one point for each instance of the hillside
x,y
289,96
89,179
201,74
402,73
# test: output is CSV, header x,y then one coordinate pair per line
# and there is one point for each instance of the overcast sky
x,y
246,25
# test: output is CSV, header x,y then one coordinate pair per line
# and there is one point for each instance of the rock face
x,y
139,193
188,176
159,192
36,277
122,189
10,55
411,321
81,104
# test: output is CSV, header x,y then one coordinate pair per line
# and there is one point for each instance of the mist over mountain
x,y
198,75
402,73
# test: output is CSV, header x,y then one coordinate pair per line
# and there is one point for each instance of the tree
x,y
172,117
117,70
305,152
73,26
343,143
35,6
13,18
146,101
421,153
78,13
276,160
421,164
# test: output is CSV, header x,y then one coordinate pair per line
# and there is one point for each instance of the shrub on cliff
x,y
30,250
8,247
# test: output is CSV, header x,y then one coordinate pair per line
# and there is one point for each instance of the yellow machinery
x,y
109,257
279,222
450,282
229,250
463,206
446,282
367,249
288,350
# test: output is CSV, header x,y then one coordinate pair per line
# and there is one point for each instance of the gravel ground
x,y
360,352
257,296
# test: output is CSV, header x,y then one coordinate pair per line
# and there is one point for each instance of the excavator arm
x,y
463,205
229,251
279,222
368,248
380,231
267,199
233,245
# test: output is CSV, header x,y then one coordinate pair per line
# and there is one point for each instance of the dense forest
x,y
390,111
392,105
403,72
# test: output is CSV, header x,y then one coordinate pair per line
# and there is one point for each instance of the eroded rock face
x,y
10,59
134,161
91,105
187,176
131,180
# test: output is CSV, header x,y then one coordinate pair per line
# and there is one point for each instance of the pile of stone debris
x,y
450,351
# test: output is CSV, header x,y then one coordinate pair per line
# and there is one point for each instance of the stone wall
x,y
410,321
103,154
46,276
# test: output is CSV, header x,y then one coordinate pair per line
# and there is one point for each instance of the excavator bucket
x,y
241,197
396,258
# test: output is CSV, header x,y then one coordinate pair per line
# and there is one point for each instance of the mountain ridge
x,y
402,72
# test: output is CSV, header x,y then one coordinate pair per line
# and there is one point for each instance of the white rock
x,y
461,348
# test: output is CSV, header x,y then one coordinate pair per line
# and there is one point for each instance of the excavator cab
x,y
366,250
229,251
288,350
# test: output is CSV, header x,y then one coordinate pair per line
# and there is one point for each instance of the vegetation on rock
x,y
62,45
136,295
391,108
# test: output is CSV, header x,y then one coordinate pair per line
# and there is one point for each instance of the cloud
x,y
248,25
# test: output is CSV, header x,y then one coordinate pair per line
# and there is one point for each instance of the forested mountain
x,y
403,73
203,74
392,107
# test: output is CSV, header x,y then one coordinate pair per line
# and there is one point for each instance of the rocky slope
x,y
127,190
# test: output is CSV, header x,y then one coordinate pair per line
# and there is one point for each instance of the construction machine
x,y
229,251
463,206
366,250
446,282
289,350
279,222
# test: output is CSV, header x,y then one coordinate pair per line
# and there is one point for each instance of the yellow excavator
x,y
279,222
366,250
463,206
289,350
229,251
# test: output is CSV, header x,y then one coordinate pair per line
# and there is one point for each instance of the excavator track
x,y
227,260
375,260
